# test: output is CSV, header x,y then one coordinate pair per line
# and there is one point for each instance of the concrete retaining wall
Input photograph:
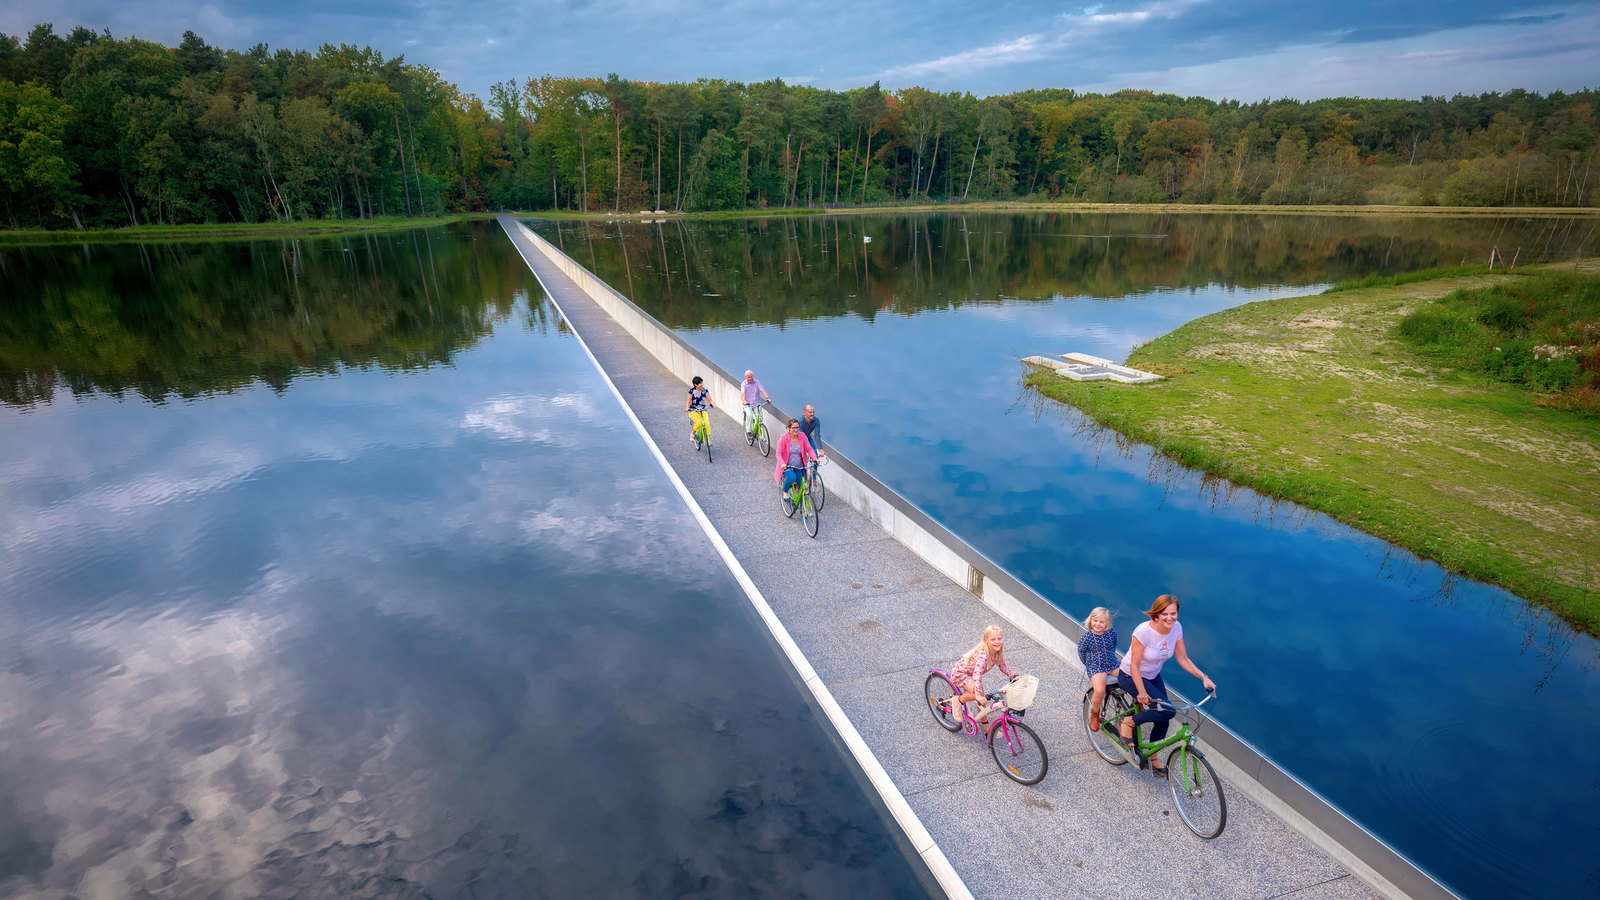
x,y
1242,765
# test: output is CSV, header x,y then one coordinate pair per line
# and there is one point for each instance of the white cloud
x,y
1073,31
1557,55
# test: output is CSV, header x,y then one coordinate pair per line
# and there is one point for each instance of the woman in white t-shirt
x,y
1155,642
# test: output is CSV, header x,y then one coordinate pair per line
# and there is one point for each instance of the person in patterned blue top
x,y
1098,651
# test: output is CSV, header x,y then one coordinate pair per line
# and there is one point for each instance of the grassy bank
x,y
1521,212
230,231
1319,400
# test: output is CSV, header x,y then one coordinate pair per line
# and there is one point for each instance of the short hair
x,y
696,380
809,408
792,422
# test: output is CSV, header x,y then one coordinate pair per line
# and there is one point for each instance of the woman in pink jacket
x,y
794,454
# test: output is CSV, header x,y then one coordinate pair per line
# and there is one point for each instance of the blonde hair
x,y
1096,613
983,642
1160,606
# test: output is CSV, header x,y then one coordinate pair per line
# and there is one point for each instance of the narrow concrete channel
x,y
872,617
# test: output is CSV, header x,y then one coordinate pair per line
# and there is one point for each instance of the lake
x,y
332,568
1421,704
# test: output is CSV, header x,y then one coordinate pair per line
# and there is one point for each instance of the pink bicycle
x,y
1017,750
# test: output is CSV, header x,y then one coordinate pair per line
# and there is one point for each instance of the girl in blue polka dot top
x,y
1098,650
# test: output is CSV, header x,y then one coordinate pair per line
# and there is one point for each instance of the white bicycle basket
x,y
1019,693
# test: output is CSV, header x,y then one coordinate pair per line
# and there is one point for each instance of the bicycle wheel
x,y
1022,757
788,503
809,516
818,490
708,448
750,433
765,440
1196,791
1103,741
939,690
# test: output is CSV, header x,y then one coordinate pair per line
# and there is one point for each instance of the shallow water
x,y
332,568
1423,705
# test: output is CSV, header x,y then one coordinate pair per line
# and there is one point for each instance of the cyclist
x,y
1154,642
794,452
811,427
695,406
753,393
989,652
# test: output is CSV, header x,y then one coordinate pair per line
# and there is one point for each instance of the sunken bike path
x,y
873,618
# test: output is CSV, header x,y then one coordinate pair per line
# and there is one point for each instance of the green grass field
x,y
1321,401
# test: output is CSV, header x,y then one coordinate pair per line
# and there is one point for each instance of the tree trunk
x,y
677,185
400,145
583,171
658,165
838,151
412,134
793,188
868,172
616,116
851,190
973,167
127,199
927,186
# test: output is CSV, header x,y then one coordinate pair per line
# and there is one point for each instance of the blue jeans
x,y
1157,690
791,477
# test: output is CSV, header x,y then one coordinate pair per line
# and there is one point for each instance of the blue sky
x,y
1246,49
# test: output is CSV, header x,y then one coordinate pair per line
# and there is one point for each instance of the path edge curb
x,y
921,839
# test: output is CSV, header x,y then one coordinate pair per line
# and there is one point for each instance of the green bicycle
x,y
1196,790
702,432
756,433
816,487
800,497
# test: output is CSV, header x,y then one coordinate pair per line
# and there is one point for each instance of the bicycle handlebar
x,y
1158,703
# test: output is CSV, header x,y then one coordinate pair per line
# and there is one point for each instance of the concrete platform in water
x,y
872,617
1083,367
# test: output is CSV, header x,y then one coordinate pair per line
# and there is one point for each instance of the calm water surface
x,y
1428,708
330,568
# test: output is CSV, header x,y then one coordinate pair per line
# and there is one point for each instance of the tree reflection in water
x,y
183,320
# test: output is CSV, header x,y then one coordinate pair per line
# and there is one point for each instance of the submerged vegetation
x,y
98,131
1390,409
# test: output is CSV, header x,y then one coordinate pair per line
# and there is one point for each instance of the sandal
x,y
1157,771
1133,750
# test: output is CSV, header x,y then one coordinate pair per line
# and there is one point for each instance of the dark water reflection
x,y
1428,707
375,625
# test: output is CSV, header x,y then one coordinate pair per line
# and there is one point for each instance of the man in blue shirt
x,y
811,427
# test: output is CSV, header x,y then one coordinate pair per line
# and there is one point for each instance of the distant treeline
x,y
99,131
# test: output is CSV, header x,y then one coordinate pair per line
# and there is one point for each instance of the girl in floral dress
x,y
968,675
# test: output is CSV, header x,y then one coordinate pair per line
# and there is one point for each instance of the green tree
x,y
34,165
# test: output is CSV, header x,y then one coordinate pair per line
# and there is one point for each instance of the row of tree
x,y
97,130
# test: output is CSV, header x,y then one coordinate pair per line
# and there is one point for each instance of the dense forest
x,y
99,131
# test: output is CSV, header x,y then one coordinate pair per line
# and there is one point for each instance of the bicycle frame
x,y
800,489
1185,735
1003,722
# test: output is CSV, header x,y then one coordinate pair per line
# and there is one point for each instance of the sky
x,y
1240,49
